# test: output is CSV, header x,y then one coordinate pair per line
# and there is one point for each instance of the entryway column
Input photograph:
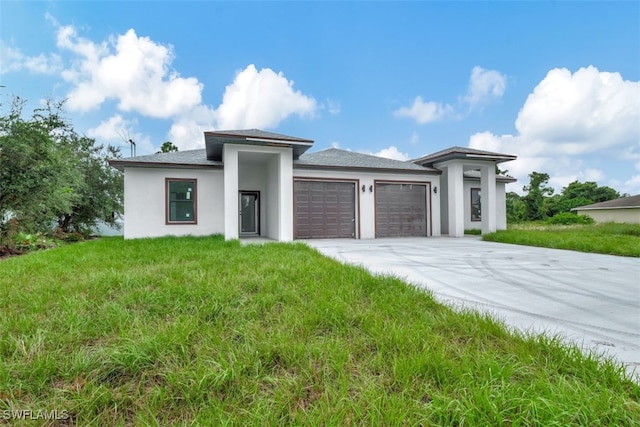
x,y
488,198
285,195
455,199
231,208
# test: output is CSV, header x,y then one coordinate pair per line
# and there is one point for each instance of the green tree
x,y
167,147
516,207
536,191
100,193
37,176
579,194
49,174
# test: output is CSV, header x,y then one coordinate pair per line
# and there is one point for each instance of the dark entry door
x,y
249,213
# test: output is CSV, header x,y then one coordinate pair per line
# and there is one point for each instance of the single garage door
x,y
324,209
401,210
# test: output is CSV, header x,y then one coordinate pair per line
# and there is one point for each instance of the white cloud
x,y
118,131
631,186
114,128
566,117
135,72
391,152
424,112
589,174
130,69
334,106
186,131
261,99
415,138
484,86
581,112
13,60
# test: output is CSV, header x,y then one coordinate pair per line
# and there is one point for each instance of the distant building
x,y
625,209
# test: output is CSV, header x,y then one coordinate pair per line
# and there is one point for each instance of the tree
x,y
37,174
167,147
534,200
99,195
579,194
49,174
516,207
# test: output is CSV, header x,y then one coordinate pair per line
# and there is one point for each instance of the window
x,y
476,207
181,201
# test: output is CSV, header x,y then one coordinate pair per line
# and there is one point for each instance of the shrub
x,y
568,218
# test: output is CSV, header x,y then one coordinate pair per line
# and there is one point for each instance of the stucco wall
x,y
501,206
629,215
144,202
365,206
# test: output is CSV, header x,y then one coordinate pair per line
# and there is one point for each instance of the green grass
x,y
198,331
608,238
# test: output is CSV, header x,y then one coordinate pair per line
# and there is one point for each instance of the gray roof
x,y
622,203
338,159
178,159
463,153
215,140
475,175
256,133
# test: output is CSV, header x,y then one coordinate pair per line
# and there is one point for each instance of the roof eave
x,y
364,168
465,156
604,208
120,165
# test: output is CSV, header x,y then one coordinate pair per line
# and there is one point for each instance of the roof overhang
x,y
367,169
120,164
214,142
604,208
462,154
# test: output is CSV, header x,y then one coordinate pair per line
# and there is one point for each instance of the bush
x,y
568,218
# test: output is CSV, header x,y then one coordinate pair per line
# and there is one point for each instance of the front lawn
x,y
607,238
198,331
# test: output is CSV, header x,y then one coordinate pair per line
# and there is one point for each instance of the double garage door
x,y
327,209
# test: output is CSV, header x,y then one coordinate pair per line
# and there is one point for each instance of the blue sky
x,y
556,83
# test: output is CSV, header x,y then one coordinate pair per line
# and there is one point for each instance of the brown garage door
x,y
401,210
324,209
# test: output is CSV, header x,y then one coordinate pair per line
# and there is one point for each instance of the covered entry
x,y
401,209
324,209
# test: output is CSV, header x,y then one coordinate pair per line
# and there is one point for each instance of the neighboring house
x,y
625,209
256,183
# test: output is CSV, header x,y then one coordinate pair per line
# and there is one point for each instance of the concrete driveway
x,y
591,299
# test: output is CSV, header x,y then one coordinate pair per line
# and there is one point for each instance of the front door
x,y
249,213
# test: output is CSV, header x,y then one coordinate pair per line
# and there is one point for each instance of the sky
x,y
555,83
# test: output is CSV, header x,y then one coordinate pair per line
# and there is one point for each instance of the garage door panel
x,y
401,210
324,209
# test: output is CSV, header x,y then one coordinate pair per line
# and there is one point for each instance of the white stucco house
x,y
257,183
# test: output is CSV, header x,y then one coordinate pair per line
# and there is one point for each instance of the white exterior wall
x,y
501,206
365,203
264,169
628,215
145,202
